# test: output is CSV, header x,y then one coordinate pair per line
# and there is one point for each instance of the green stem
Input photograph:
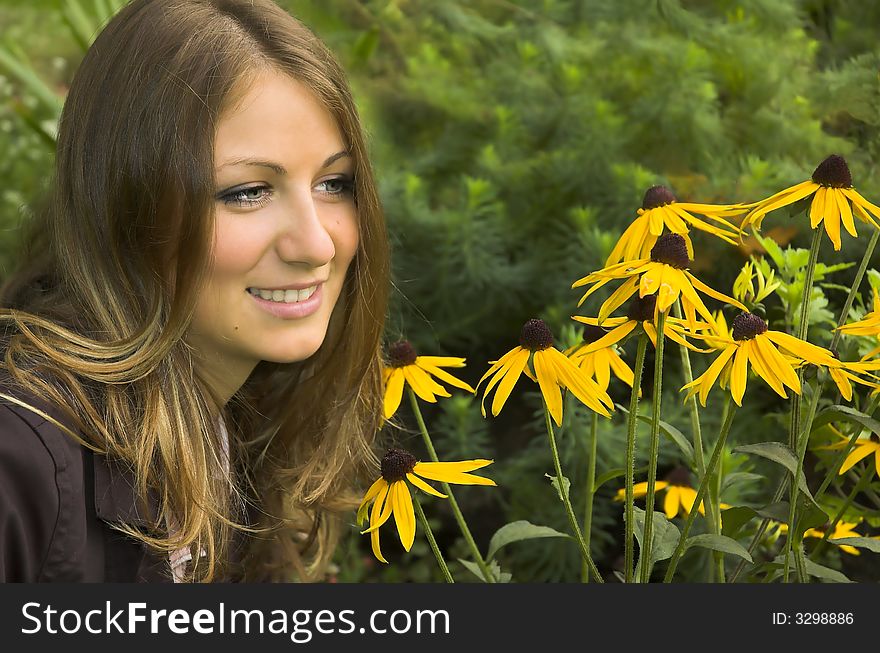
x,y
844,314
432,541
462,524
794,430
838,462
756,538
711,518
729,411
631,455
572,520
853,291
863,482
591,482
647,543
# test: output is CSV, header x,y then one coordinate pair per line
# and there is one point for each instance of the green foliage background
x,y
513,142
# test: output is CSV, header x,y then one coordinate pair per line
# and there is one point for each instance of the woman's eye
x,y
256,196
336,186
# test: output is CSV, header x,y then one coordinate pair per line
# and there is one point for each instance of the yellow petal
x,y
739,372
381,508
777,364
546,374
440,361
861,451
846,216
832,218
456,466
617,298
817,208
454,476
371,494
670,502
444,376
511,376
581,386
423,385
498,365
424,487
393,392
404,515
612,337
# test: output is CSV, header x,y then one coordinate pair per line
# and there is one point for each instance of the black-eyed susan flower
x,y
835,201
598,364
869,325
664,274
842,530
390,494
552,371
661,209
864,447
752,343
405,367
744,284
641,310
680,494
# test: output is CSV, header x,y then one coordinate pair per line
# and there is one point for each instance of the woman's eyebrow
x,y
277,168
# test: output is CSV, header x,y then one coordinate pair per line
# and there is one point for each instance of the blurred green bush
x,y
513,141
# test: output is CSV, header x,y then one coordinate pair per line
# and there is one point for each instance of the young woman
x,y
190,378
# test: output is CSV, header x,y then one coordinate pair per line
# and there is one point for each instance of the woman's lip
x,y
294,310
293,286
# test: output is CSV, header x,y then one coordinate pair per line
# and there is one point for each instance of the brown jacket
x,y
57,502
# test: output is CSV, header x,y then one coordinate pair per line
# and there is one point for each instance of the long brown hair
x,y
96,319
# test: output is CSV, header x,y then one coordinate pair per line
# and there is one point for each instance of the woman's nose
x,y
304,237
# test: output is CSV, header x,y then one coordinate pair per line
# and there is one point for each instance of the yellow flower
x,y
835,201
405,367
842,530
744,287
552,372
867,326
642,310
598,364
660,209
753,343
391,495
680,495
863,448
664,274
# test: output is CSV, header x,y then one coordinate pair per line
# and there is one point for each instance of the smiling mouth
x,y
289,296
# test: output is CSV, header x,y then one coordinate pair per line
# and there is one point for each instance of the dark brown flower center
x,y
396,464
535,335
679,476
833,172
746,326
401,354
657,196
671,249
641,309
592,333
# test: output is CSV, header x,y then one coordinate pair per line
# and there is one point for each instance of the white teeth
x,y
285,296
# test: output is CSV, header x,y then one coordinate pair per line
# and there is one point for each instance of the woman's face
x,y
286,232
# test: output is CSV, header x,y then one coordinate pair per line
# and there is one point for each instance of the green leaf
x,y
611,474
778,453
839,413
665,534
733,519
810,515
859,542
32,82
566,484
719,543
813,569
517,531
739,477
669,431
498,574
